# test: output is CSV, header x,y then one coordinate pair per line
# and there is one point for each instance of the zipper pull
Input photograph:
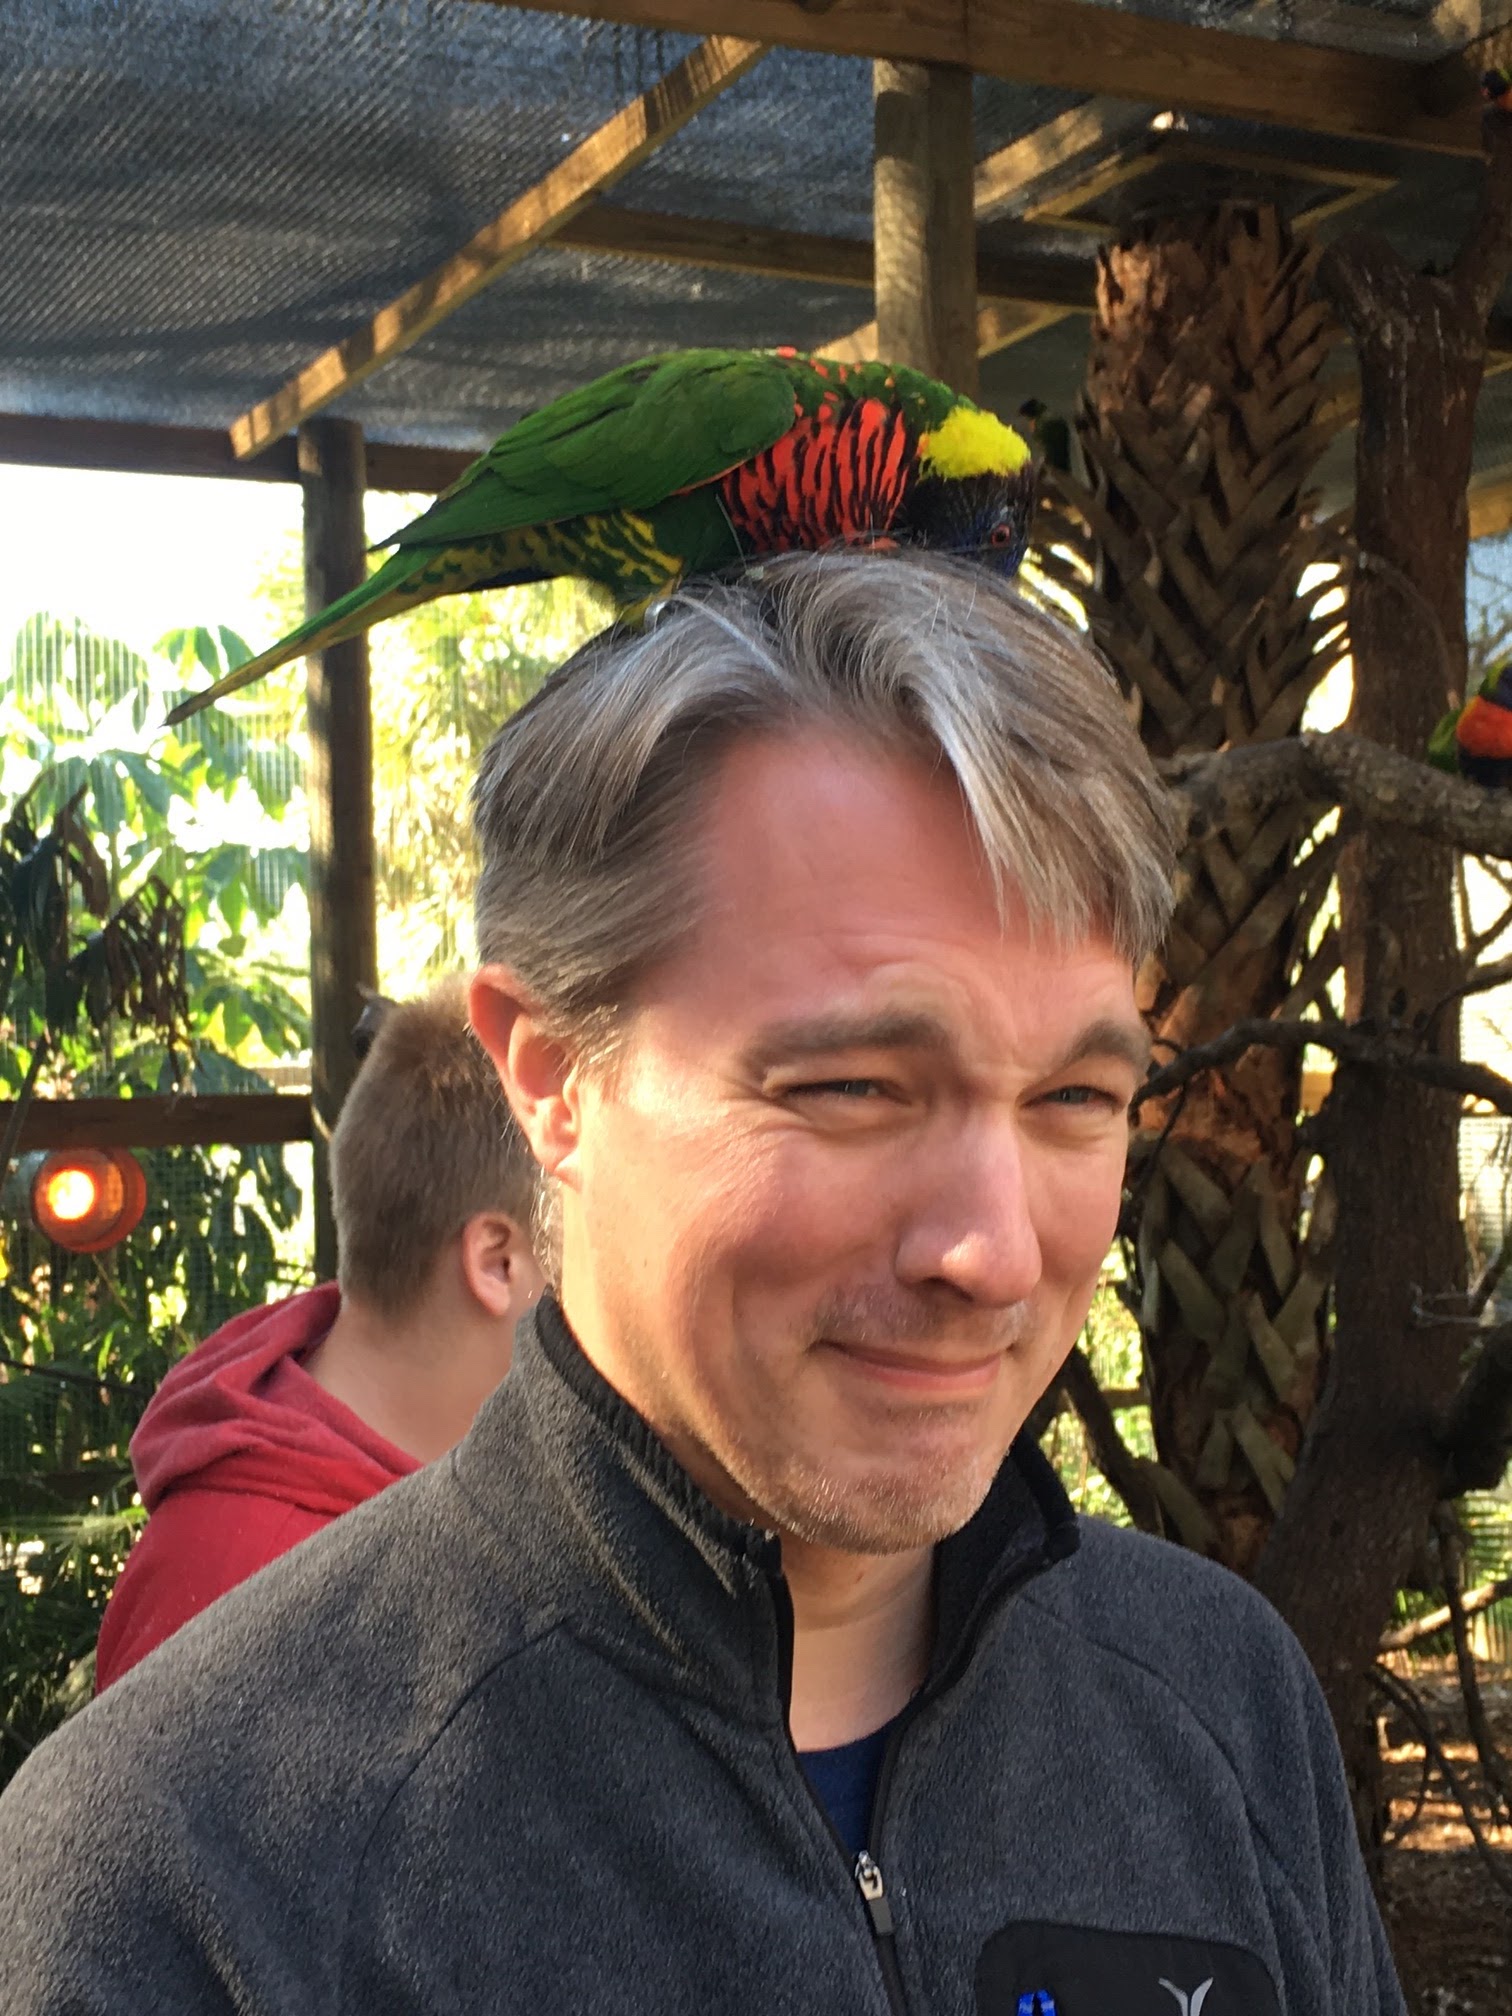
x,y
874,1890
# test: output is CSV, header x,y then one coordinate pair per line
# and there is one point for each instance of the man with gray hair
x,y
745,1657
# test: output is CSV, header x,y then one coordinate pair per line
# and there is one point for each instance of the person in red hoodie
x,y
294,1413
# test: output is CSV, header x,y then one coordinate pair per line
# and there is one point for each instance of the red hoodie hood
x,y
240,1413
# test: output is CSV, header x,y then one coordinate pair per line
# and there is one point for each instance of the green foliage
x,y
445,678
90,925
53,1587
214,812
1111,1341
83,715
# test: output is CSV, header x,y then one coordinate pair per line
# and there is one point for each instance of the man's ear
x,y
535,1070
497,1264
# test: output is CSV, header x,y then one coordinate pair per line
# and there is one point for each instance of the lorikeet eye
x,y
1002,535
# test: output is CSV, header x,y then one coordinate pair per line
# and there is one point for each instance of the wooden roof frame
x,y
1075,45
1349,186
150,448
620,144
1018,295
1166,62
564,209
1004,321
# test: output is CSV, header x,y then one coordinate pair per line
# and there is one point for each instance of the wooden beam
x,y
619,145
339,789
1342,188
1006,276
1019,297
717,243
1003,323
138,449
1004,176
924,231
198,1120
1072,45
1490,500
998,324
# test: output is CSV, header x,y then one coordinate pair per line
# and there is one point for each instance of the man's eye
x,y
838,1088
1083,1096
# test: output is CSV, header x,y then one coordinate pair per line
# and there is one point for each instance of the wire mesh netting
x,y
201,199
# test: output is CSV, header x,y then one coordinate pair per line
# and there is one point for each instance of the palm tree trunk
x,y
1201,424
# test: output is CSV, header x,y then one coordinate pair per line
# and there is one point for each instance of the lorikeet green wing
x,y
627,443
624,443
1443,749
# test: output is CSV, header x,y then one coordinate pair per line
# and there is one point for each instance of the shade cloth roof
x,y
197,199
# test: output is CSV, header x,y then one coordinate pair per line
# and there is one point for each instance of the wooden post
x,y
343,916
925,220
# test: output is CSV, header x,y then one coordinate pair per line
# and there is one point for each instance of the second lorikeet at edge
x,y
1475,740
691,462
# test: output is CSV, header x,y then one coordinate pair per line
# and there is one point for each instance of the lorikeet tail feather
x,y
404,581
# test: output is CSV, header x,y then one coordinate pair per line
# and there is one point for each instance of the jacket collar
x,y
606,1533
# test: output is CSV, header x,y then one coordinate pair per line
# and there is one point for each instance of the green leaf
x,y
274,872
158,787
108,799
235,650
237,1021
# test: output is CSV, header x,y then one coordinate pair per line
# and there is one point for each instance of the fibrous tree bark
x,y
1201,424
1372,1468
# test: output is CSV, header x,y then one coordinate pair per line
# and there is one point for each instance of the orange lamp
x,y
88,1199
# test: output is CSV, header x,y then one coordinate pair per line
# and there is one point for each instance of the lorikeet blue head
x,y
975,490
986,516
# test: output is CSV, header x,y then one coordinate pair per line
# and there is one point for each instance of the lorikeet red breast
x,y
692,462
1476,739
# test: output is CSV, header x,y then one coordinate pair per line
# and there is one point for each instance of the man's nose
x,y
969,1222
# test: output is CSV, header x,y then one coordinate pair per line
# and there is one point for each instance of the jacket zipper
x,y
868,1872
873,1889
865,1870
865,1874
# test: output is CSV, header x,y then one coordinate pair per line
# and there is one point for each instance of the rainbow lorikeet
x,y
1476,740
691,462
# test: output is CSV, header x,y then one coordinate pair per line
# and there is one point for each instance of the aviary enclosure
x,y
1243,268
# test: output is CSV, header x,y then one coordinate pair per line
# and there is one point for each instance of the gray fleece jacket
x,y
512,1738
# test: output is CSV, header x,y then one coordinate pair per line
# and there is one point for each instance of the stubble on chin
x,y
881,1513
895,1505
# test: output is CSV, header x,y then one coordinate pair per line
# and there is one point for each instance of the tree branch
x,y
1433,1621
1493,1766
1479,980
1350,771
1352,1042
1119,1465
1405,1700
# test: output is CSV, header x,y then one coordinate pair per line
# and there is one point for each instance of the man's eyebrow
x,y
897,1029
1107,1037
827,1035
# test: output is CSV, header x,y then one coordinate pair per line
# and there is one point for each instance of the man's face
x,y
836,1213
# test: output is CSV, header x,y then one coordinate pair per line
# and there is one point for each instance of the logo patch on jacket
x,y
1071,1970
